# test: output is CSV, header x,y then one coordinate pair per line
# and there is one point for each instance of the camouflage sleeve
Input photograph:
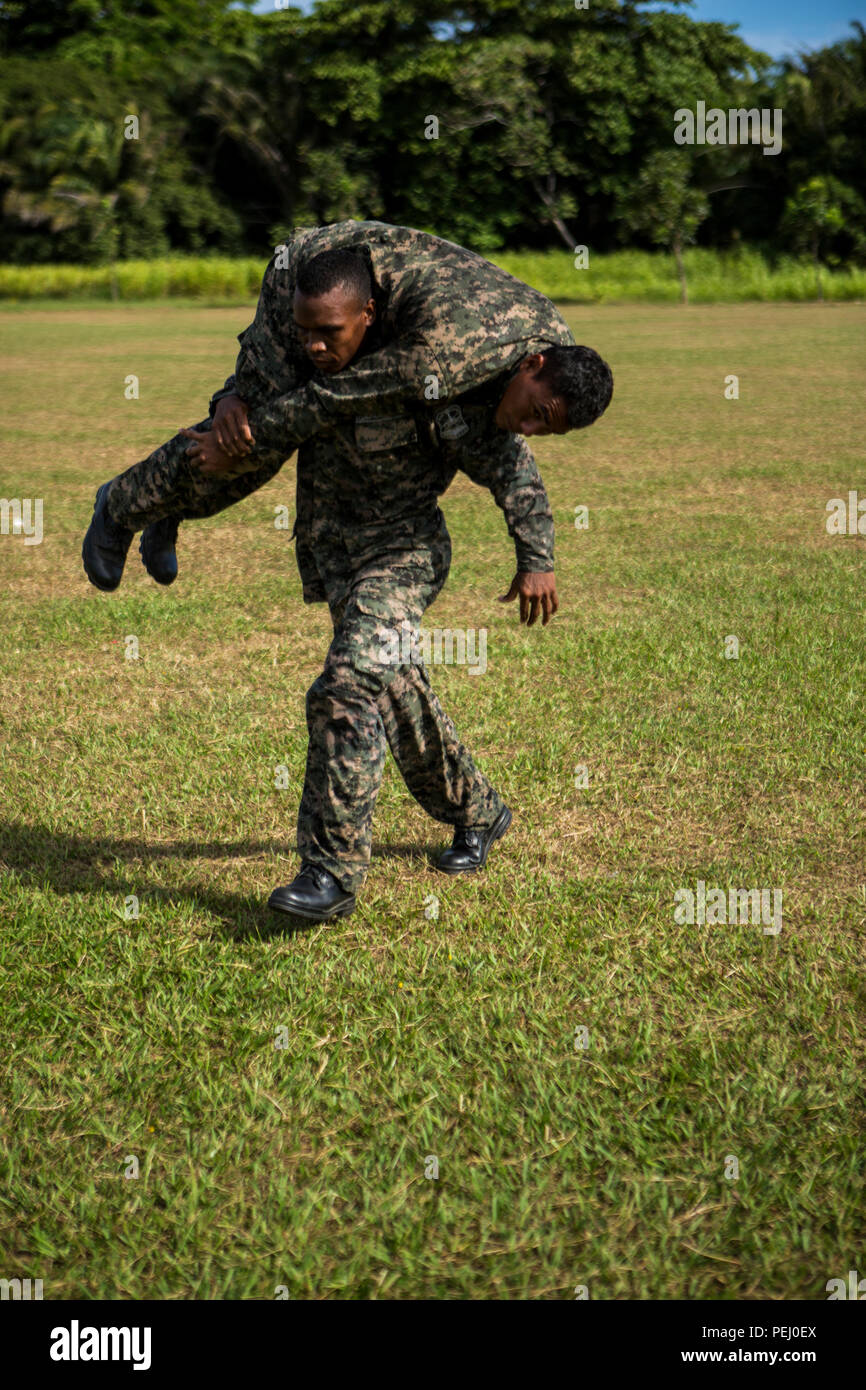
x,y
270,362
404,373
230,389
511,474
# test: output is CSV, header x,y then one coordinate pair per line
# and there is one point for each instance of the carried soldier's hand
x,y
231,426
537,594
207,454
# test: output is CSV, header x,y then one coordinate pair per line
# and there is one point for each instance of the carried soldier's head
x,y
552,392
333,307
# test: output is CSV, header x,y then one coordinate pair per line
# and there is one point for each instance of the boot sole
x,y
311,914
496,834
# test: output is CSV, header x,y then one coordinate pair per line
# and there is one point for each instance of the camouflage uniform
x,y
359,702
379,442
373,542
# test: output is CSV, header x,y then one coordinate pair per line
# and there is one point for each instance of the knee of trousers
x,y
335,701
356,685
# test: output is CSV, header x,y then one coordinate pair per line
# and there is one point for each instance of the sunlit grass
x,y
456,1037
620,276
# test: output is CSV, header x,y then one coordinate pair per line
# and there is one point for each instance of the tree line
x,y
135,128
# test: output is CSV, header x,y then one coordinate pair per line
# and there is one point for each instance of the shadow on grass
x,y
42,857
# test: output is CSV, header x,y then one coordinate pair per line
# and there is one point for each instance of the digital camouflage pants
x,y
360,702
167,483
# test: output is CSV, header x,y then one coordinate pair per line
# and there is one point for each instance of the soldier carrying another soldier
x,y
451,360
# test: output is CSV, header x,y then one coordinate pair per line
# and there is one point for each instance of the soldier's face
x,y
332,326
529,405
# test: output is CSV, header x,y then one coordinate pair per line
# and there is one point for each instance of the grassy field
x,y
619,277
607,1166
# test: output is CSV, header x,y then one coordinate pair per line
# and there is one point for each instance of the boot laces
x,y
318,875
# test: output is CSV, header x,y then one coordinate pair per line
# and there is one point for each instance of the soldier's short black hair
x,y
340,267
582,378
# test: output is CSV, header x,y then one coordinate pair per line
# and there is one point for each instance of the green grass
x,y
455,1037
619,277
212,277
641,277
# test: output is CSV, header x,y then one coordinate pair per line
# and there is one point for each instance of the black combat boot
x,y
157,548
314,895
471,846
105,545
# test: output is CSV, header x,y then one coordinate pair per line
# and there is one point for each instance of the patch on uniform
x,y
450,422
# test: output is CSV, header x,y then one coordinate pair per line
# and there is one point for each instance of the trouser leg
x,y
167,483
436,767
345,759
360,703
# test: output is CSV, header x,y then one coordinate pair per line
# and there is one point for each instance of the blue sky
x,y
781,27
778,27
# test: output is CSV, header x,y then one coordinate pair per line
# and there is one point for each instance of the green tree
x,y
814,216
551,124
666,207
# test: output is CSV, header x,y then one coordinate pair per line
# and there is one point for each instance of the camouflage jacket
x,y
368,491
418,401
